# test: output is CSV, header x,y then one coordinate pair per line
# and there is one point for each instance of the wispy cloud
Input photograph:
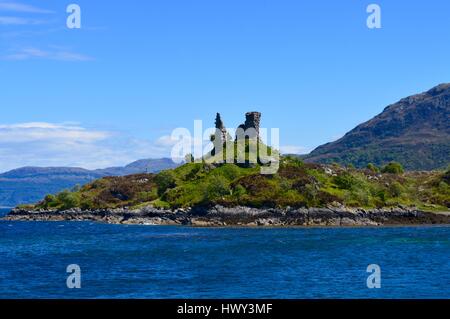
x,y
19,21
71,144
42,131
21,7
48,54
24,20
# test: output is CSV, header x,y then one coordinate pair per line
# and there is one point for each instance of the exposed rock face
x,y
241,216
415,131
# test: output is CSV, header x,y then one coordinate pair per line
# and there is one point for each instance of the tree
x,y
393,168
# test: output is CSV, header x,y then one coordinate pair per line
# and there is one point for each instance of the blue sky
x,y
110,92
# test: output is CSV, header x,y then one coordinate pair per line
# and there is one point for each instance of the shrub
x,y
229,171
285,185
50,201
310,192
345,181
360,196
86,202
165,180
68,200
393,168
216,187
255,185
146,196
239,191
443,187
396,189
292,161
373,167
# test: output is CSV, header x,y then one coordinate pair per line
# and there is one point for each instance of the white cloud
x,y
35,132
166,141
69,144
294,149
21,7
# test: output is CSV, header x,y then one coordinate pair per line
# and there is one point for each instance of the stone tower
x,y
221,131
252,121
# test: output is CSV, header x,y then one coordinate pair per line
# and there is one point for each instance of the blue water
x,y
179,262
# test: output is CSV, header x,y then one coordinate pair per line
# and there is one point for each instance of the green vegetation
x,y
296,184
373,168
393,168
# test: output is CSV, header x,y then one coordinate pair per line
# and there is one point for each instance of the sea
x,y
127,261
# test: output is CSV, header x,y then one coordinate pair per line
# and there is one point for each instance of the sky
x,y
113,91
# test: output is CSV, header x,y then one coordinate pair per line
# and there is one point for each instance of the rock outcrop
x,y
241,216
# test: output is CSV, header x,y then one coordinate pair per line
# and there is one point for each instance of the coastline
x,y
219,216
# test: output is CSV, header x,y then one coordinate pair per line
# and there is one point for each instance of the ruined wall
x,y
252,121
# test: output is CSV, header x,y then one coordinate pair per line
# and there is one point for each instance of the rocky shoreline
x,y
219,216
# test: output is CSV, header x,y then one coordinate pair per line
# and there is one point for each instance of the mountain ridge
x,y
414,131
28,184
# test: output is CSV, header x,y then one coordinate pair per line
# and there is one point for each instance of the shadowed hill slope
x,y
414,131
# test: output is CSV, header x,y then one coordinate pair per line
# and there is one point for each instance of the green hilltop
x,y
296,184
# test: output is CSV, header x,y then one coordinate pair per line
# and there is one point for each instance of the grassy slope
x,y
296,184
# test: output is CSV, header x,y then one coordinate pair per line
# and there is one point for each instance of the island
x,y
214,192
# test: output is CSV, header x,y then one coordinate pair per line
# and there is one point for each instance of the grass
x,y
296,184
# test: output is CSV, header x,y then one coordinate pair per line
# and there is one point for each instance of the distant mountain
x,y
414,131
140,166
30,184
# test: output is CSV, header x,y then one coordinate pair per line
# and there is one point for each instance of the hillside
x,y
30,184
414,131
296,184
